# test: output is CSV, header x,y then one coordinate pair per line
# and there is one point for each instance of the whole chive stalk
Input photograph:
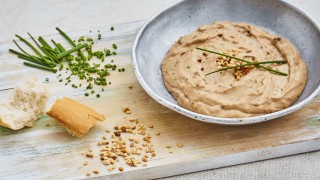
x,y
40,67
44,42
28,58
248,64
60,48
51,52
18,53
262,67
48,48
25,54
48,54
71,42
57,47
34,61
63,49
21,48
68,52
35,50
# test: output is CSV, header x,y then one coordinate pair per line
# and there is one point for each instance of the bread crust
x,y
77,118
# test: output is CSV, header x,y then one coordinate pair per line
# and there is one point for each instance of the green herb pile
x,y
53,58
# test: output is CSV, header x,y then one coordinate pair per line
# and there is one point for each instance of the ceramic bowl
x,y
161,31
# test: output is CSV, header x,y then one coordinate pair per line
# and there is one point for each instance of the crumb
x,y
130,86
85,163
150,125
168,146
107,130
88,174
48,124
153,154
158,133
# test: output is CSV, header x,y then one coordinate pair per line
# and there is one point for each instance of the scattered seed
x,y
95,171
89,154
179,145
121,168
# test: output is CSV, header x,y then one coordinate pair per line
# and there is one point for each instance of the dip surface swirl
x,y
220,94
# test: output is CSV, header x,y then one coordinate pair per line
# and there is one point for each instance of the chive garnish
x,y
262,67
248,64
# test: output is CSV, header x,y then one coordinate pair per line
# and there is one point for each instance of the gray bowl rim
x,y
213,119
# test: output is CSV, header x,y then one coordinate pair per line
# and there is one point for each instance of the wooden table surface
x,y
34,151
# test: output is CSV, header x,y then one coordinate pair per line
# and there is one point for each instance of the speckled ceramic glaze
x,y
160,32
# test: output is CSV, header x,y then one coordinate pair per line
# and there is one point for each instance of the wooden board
x,y
50,152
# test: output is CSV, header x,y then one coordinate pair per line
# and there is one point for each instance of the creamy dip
x,y
223,94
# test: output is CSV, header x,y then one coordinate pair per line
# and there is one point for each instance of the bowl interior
x,y
274,16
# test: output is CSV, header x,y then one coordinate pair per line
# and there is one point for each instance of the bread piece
x,y
74,116
25,105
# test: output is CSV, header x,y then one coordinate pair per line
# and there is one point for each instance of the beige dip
x,y
226,93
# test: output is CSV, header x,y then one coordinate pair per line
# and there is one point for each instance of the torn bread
x,y
74,116
25,106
